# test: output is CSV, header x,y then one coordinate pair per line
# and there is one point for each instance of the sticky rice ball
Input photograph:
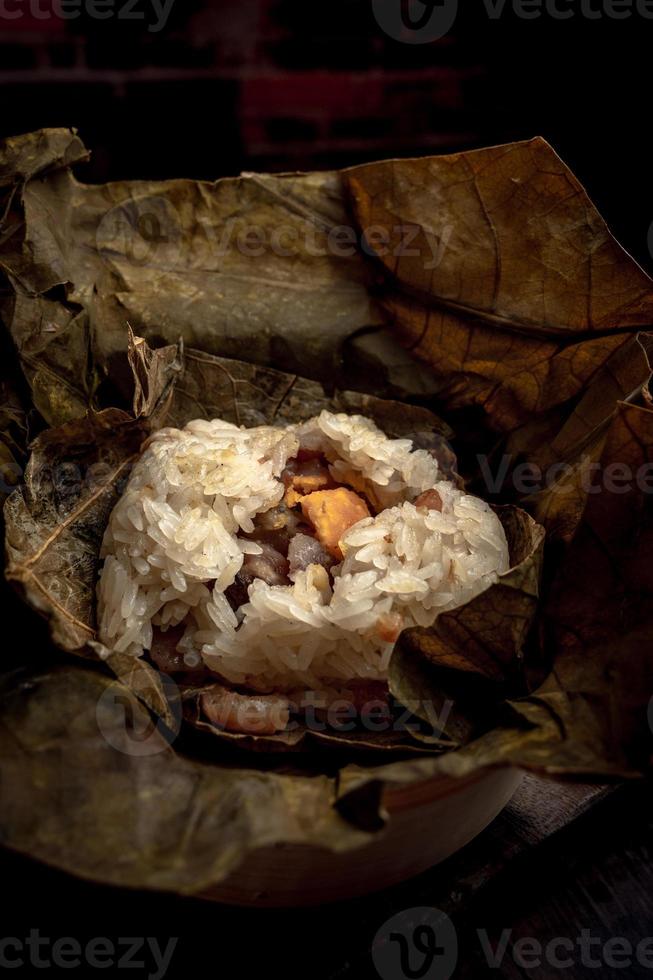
x,y
288,558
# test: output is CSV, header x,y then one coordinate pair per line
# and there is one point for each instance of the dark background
x,y
301,84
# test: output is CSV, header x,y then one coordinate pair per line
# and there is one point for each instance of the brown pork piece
x,y
305,454
332,512
305,550
275,527
165,656
430,499
163,652
270,566
248,714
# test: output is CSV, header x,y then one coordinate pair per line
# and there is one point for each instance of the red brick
x,y
310,93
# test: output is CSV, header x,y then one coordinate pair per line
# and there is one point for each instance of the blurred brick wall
x,y
261,84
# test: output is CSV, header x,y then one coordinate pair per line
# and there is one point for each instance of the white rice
x,y
171,549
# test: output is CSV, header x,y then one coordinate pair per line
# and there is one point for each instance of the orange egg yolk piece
x,y
332,512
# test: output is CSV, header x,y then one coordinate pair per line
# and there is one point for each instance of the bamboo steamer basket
x,y
428,821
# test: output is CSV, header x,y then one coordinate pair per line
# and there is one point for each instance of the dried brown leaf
x,y
513,291
155,374
92,785
603,587
247,394
56,520
181,259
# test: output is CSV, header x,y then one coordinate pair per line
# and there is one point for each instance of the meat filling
x,y
167,658
276,527
430,499
304,529
305,550
271,566
248,714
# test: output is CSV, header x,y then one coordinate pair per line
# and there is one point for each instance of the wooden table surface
x,y
553,864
